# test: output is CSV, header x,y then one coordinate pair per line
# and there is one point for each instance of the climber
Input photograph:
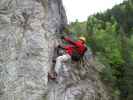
x,y
75,51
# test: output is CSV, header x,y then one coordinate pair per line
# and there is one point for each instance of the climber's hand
x,y
59,46
62,37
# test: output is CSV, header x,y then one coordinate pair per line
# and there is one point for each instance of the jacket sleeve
x,y
70,41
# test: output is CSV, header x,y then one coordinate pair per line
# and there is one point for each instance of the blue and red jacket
x,y
78,45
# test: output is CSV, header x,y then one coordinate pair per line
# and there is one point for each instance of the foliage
x,y
110,35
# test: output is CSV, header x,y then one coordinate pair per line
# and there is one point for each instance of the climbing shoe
x,y
54,61
52,76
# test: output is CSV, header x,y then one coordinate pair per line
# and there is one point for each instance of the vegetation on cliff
x,y
110,36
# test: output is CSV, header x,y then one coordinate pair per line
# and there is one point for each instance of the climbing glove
x,y
59,46
62,37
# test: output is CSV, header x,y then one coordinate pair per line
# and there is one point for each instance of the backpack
x,y
76,56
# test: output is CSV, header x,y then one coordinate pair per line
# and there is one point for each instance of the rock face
x,y
28,31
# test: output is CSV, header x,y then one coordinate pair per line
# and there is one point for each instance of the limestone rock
x,y
27,29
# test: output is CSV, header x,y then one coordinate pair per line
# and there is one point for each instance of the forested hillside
x,y
110,36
